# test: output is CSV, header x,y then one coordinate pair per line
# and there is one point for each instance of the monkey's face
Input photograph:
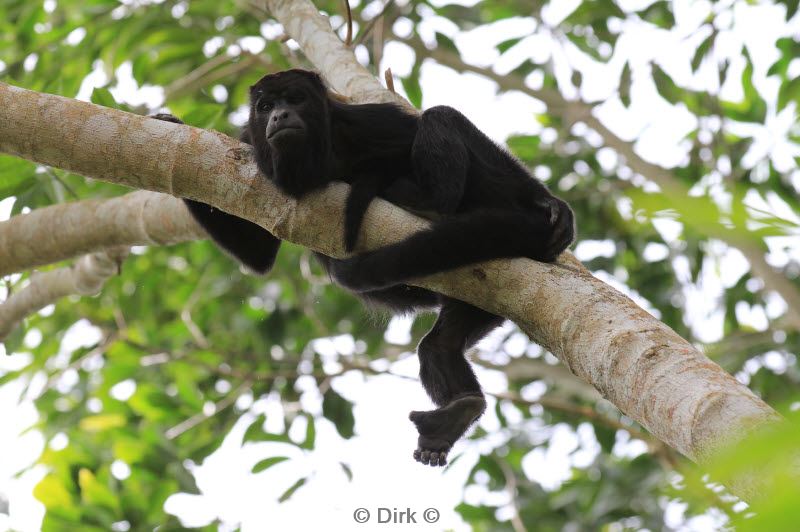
x,y
290,128
281,116
287,108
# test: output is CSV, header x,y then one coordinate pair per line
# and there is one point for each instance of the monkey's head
x,y
289,128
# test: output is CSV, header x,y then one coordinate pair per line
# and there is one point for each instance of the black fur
x,y
485,204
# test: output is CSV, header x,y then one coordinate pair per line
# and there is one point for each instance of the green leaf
x,y
525,68
665,86
100,422
13,340
660,14
102,96
347,471
446,42
507,45
292,489
94,492
267,463
593,10
340,411
606,436
625,85
703,50
51,492
16,176
576,78
525,147
789,91
586,46
311,433
791,7
255,429
789,49
475,513
204,116
757,106
412,87
256,433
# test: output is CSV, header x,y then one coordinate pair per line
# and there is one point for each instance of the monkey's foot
x,y
439,429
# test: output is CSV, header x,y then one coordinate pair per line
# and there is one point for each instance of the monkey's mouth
x,y
278,132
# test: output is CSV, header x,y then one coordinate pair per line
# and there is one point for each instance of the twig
x,y
186,314
210,73
179,85
75,364
219,406
377,44
511,489
348,40
581,411
389,79
363,34
52,173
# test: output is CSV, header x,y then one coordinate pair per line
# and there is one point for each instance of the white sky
x,y
380,453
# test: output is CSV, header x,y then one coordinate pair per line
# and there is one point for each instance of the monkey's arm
x,y
251,244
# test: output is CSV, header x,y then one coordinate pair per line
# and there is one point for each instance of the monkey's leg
x,y
452,242
449,380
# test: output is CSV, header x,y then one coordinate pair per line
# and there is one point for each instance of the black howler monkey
x,y
487,206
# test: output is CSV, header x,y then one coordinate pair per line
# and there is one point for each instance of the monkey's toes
x,y
431,458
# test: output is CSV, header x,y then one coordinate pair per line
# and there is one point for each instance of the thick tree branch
x,y
632,359
64,231
67,230
303,22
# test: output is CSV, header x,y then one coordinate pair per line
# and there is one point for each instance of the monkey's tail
x,y
362,192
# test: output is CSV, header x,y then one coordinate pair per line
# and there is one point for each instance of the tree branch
x,y
67,230
86,277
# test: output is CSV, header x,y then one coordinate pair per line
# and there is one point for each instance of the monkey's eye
x,y
263,105
295,97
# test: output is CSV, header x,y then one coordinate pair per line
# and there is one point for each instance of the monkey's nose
x,y
282,115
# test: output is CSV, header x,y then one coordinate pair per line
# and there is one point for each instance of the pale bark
x,y
303,22
63,231
86,277
632,359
